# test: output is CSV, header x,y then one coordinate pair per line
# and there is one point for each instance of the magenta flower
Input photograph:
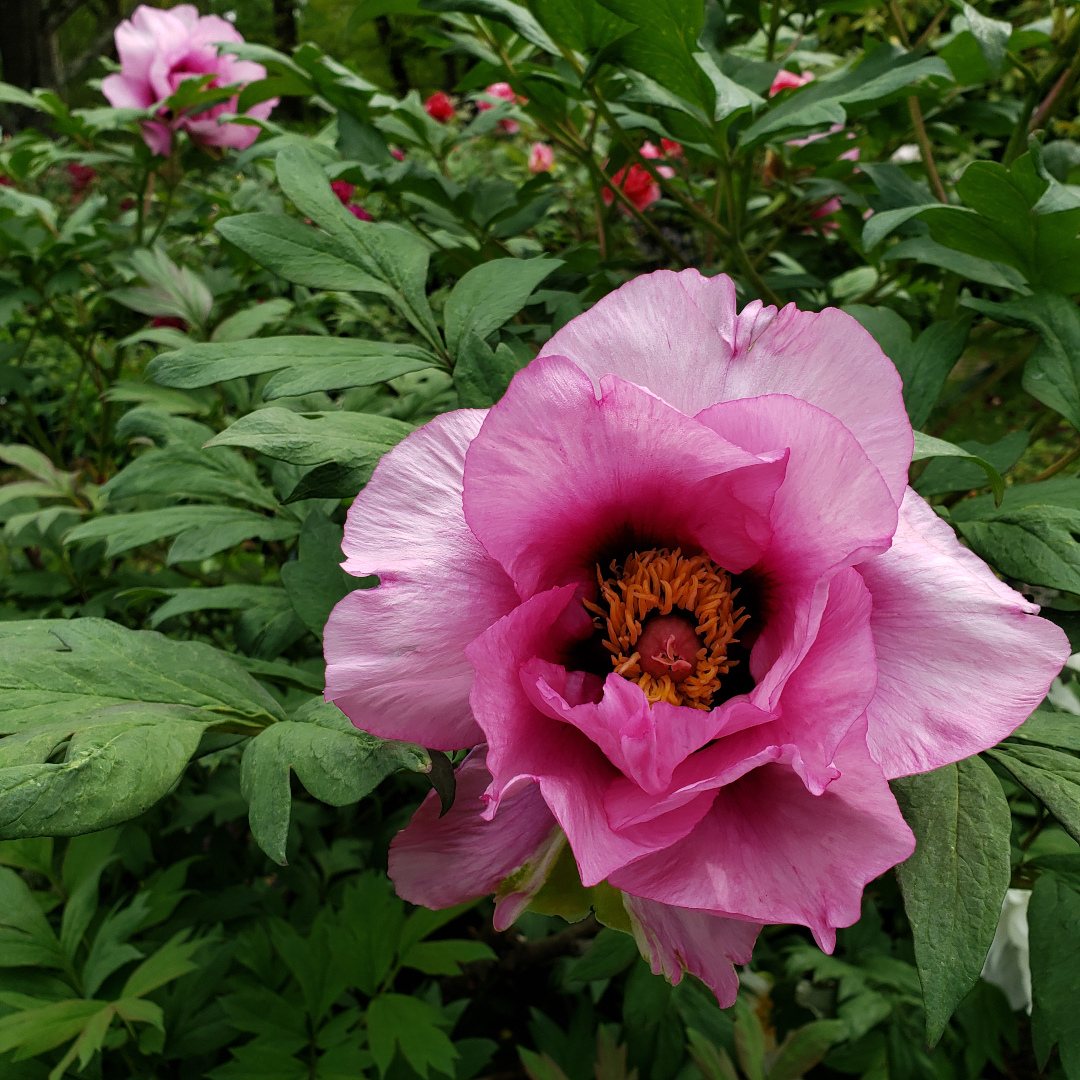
x,y
789,80
541,157
440,107
676,592
158,50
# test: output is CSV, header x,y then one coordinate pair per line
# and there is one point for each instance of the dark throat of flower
x,y
668,623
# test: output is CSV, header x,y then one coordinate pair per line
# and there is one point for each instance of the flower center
x,y
669,620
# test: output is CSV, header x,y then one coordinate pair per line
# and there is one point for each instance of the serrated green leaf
x,y
954,882
396,1022
445,957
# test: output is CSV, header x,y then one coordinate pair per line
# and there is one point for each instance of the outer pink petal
x,y
395,654
126,92
676,940
525,745
772,852
438,862
557,480
963,660
679,336
158,137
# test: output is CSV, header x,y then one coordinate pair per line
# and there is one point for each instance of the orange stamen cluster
x,y
660,582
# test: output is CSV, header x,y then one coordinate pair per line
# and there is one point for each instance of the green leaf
x,y
610,953
954,883
1052,776
992,36
1053,918
315,581
247,323
111,772
580,24
357,440
1033,544
56,671
445,957
663,45
520,19
213,598
954,474
190,473
170,962
491,294
540,1066
1052,372
926,446
804,1047
481,376
882,73
924,364
26,938
337,763
200,530
1061,730
308,356
926,250
387,252
407,1024
299,253
37,1030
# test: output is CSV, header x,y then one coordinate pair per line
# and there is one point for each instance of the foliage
x,y
203,359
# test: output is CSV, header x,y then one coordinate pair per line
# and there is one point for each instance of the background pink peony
x,y
777,443
158,49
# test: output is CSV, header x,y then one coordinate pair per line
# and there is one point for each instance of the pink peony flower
x,y
440,107
158,49
675,591
506,92
397,154
343,190
541,157
640,188
788,80
359,212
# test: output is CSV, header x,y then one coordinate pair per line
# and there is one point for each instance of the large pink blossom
x,y
158,50
733,771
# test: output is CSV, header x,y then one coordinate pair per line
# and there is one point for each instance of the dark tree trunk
x,y
389,40
27,44
285,25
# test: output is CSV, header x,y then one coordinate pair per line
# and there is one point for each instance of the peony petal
x,y
833,508
650,332
679,336
126,92
525,745
644,742
558,481
438,862
158,137
772,852
962,659
675,940
396,654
